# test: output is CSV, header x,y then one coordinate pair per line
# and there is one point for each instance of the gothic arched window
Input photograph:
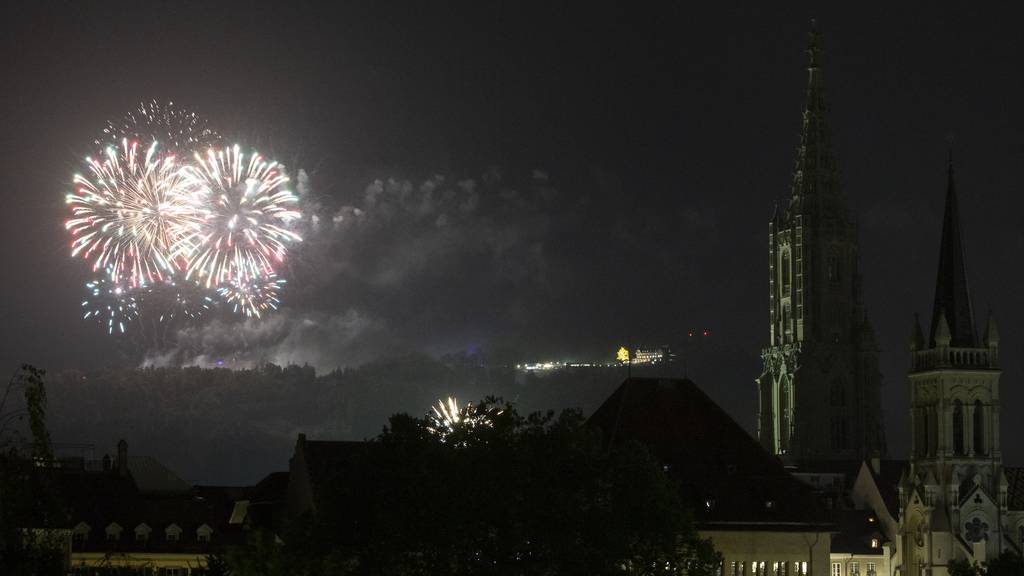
x,y
834,268
979,428
922,445
958,427
785,271
838,393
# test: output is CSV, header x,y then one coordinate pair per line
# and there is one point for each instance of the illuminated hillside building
x,y
819,389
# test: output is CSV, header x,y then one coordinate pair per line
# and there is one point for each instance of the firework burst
x,y
446,417
248,209
130,216
252,298
178,130
110,304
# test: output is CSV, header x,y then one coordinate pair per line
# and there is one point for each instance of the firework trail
x,y
248,208
131,214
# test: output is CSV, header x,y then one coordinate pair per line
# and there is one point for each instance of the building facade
x,y
956,500
819,389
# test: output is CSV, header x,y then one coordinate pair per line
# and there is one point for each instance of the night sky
x,y
531,182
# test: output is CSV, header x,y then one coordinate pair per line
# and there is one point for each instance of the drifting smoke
x,y
409,267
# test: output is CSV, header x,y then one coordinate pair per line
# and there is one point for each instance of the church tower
x,y
819,389
953,498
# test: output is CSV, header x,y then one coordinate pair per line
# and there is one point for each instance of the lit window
x,y
803,569
875,543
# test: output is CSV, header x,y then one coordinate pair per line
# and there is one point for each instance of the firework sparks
x,y
254,297
248,209
130,216
176,298
109,304
178,130
446,417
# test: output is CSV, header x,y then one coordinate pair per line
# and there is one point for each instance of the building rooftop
x,y
726,476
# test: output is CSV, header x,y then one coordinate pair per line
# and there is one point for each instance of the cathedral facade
x,y
819,396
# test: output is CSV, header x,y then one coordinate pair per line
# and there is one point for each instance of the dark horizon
x,y
608,175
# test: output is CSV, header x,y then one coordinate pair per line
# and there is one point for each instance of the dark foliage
x,y
31,518
508,495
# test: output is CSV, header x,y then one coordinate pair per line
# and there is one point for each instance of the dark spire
x,y
815,177
952,297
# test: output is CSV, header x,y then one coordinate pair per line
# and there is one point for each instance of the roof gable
x,y
726,475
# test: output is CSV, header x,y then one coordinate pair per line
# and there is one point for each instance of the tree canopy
x,y
488,491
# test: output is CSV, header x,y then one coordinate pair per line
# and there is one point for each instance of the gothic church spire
x,y
815,179
952,296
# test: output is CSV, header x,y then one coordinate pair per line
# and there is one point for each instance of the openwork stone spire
x,y
815,179
952,296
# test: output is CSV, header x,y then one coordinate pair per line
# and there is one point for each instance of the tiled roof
x,y
1015,491
857,529
98,499
726,476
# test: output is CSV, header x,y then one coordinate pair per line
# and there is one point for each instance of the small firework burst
x,y
446,417
179,130
110,304
252,298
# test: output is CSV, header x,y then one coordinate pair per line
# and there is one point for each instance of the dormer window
x,y
875,543
203,533
113,531
142,532
173,533
79,534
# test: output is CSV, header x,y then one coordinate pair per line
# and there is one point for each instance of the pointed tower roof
x,y
991,338
952,297
916,337
815,177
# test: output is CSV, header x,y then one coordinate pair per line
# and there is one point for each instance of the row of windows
x,y
853,569
743,568
142,532
926,434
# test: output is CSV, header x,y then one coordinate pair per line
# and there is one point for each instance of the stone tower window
x,y
979,428
785,271
958,428
833,269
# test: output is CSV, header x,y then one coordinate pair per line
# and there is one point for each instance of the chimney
x,y
122,458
